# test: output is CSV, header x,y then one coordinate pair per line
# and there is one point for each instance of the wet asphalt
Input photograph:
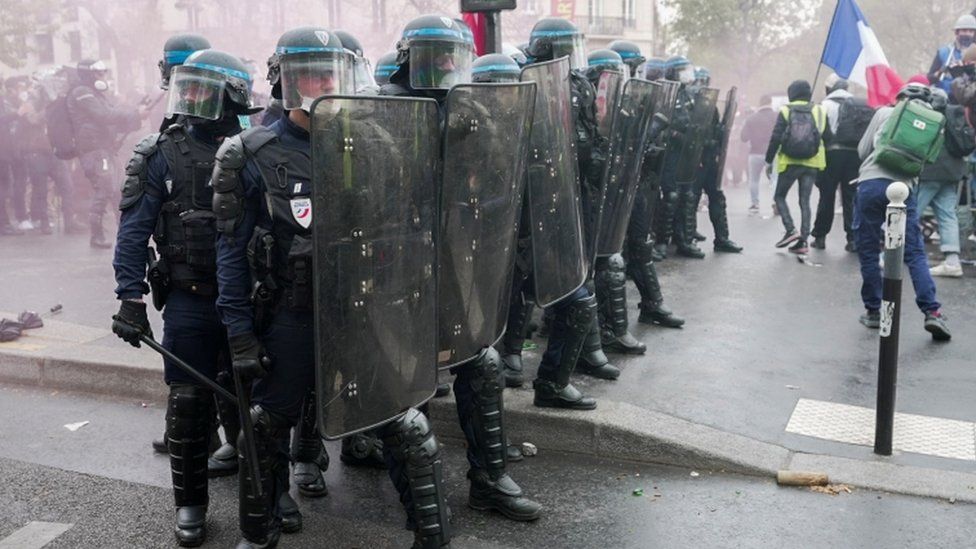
x,y
104,480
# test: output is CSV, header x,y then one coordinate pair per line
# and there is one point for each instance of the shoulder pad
x,y
228,163
141,153
257,137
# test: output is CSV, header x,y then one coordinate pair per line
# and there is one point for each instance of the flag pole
x,y
816,77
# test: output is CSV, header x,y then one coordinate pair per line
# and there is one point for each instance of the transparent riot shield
x,y
628,141
699,130
559,263
728,120
486,141
375,162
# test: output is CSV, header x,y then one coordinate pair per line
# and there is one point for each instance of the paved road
x,y
763,331
104,481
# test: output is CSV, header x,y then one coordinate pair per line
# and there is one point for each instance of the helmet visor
x,y
439,65
571,46
363,73
196,92
307,76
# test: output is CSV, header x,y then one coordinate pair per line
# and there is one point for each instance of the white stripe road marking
x,y
932,436
34,535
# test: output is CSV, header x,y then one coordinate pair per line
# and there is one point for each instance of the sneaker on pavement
x,y
935,324
944,269
819,243
25,225
788,238
800,247
871,319
753,210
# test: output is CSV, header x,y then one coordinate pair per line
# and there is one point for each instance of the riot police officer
x,y
97,125
385,66
364,82
609,276
638,253
262,185
675,220
175,52
434,54
574,316
166,196
709,179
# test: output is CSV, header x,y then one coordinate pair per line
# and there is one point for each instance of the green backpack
x,y
911,138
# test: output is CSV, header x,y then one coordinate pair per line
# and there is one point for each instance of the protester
x,y
869,215
756,131
848,118
797,145
939,182
950,56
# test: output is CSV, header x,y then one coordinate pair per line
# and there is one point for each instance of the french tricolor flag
x,y
854,53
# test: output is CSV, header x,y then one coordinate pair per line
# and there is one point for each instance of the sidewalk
x,y
764,333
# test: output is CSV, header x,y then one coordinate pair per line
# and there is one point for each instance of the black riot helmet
x,y
309,62
604,60
703,77
629,52
437,51
495,68
654,69
385,67
175,52
362,71
200,86
94,73
554,37
679,69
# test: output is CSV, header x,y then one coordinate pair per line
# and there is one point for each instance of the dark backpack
x,y
801,140
960,138
853,118
60,130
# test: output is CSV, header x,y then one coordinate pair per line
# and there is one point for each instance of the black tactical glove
x,y
131,322
245,351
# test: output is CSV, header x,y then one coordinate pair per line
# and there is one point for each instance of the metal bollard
x,y
894,259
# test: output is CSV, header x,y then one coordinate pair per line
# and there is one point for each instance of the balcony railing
x,y
600,25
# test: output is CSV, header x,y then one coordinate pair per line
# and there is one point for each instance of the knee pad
x,y
580,314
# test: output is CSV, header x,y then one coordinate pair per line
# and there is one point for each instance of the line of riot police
x,y
381,231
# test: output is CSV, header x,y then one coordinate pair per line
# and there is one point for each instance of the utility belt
x,y
276,285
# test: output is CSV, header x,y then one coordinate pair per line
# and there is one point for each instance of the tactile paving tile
x,y
932,436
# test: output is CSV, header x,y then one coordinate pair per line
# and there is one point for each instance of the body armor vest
x,y
280,250
186,231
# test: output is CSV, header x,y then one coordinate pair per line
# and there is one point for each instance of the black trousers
x,y
842,168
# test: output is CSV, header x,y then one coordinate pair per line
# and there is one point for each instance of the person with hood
x,y
869,215
797,146
842,159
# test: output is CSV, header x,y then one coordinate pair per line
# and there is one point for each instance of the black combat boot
x,y
188,414
644,274
259,526
685,223
593,361
417,472
309,453
552,387
519,313
611,294
223,461
97,239
363,450
478,389
718,215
